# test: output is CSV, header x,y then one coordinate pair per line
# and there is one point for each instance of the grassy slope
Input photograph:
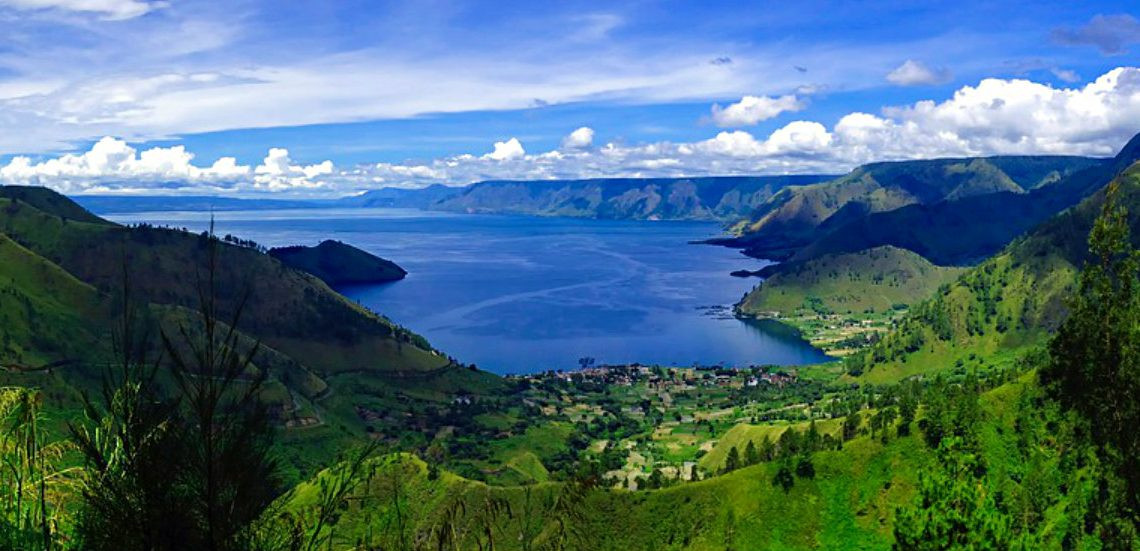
x,y
739,436
874,279
44,310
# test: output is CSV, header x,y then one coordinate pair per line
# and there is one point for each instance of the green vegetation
x,y
845,302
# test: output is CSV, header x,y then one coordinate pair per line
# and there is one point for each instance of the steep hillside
x,y
797,216
46,313
1012,299
712,198
337,263
875,279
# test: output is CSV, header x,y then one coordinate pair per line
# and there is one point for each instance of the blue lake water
x,y
516,294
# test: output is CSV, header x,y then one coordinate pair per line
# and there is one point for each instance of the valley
x,y
929,365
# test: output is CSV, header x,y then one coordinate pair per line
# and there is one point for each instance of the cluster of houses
x,y
671,378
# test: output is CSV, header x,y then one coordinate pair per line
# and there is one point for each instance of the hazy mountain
x,y
709,198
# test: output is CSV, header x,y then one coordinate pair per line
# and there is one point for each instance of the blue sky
x,y
325,97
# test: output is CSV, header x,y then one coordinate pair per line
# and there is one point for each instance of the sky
x,y
327,98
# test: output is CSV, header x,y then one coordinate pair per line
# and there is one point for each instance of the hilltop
x,y
877,279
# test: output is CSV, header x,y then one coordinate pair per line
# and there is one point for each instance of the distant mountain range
x,y
711,198
724,198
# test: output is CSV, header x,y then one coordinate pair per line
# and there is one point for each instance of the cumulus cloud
x,y
916,73
508,150
1111,34
278,173
112,164
751,110
995,116
107,9
579,139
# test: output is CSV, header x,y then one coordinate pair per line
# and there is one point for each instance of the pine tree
x,y
1094,365
732,462
751,456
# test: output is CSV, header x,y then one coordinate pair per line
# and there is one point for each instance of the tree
x,y
751,456
908,407
732,461
230,475
851,425
954,508
189,468
1094,366
804,467
130,441
784,478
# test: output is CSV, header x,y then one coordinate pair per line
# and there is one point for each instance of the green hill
x,y
710,198
797,216
875,279
1011,300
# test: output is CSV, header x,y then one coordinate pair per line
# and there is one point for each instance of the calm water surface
x,y
519,294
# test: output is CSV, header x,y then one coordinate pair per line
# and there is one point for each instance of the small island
x,y
338,263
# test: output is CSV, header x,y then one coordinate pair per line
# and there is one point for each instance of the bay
x,y
518,294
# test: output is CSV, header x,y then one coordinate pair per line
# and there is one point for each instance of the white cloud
x,y
107,9
915,73
508,150
579,139
1066,75
111,158
996,116
278,173
751,110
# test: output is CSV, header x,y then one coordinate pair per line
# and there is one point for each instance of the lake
x,y
516,294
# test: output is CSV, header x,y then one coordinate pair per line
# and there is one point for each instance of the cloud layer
x,y
996,116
